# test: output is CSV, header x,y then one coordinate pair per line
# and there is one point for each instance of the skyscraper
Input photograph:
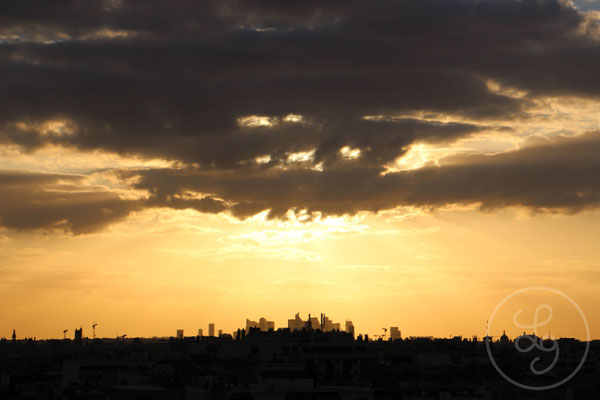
x,y
327,325
295,324
312,323
179,333
263,324
349,327
395,333
211,329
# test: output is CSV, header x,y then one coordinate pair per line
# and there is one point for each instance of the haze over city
x,y
166,165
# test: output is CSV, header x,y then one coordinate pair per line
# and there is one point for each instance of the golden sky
x,y
438,272
394,164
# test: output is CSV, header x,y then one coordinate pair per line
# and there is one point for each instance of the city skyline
x,y
303,363
323,324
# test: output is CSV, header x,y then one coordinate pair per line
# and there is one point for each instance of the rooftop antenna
x,y
94,325
65,333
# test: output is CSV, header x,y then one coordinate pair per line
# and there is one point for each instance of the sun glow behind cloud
x,y
253,121
337,263
327,255
294,167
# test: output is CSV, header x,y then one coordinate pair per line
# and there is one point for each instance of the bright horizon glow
x,y
402,164
124,279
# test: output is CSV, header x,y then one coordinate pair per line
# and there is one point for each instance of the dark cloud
x,y
560,176
35,200
557,176
172,80
30,200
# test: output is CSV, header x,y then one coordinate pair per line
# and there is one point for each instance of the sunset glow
x,y
398,165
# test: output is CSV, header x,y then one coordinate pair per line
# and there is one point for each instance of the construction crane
x,y
381,337
65,333
94,325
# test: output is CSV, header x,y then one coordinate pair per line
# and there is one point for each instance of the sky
x,y
164,165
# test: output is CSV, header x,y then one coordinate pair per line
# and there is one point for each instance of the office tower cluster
x,y
262,324
323,324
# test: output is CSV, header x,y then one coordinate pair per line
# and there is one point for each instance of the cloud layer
x,y
263,104
31,200
560,175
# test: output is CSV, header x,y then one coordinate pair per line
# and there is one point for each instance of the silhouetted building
x,y
504,340
250,324
281,364
78,334
265,325
14,335
328,325
262,324
200,332
220,332
295,324
211,329
179,333
349,327
312,323
395,333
